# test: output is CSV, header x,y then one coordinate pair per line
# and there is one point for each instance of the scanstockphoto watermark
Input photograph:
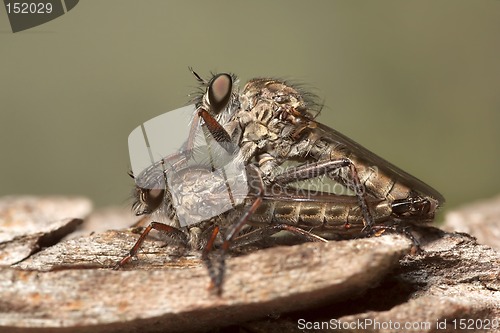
x,y
316,184
364,324
445,325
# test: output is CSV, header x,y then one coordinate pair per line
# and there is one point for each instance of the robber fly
x,y
262,212
212,200
273,122
266,125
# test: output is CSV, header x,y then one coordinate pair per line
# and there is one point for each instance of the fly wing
x,y
275,192
392,170
292,194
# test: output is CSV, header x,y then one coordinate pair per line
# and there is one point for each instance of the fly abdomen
x,y
374,177
337,216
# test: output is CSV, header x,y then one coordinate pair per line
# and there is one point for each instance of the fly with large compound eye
x,y
263,212
219,92
266,125
274,123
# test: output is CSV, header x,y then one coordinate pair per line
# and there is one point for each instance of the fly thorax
x,y
300,148
249,99
279,127
265,111
279,149
255,132
245,117
319,148
246,152
234,130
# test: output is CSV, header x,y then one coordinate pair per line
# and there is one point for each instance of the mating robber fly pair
x,y
227,170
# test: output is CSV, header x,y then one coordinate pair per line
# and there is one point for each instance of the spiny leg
x,y
397,229
153,225
204,256
218,279
233,232
236,228
218,132
359,190
218,96
269,230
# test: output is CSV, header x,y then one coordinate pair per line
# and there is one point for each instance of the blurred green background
x,y
417,82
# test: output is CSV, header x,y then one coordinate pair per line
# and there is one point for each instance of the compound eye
x,y
152,198
219,92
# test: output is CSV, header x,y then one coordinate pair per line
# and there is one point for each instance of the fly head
x,y
218,96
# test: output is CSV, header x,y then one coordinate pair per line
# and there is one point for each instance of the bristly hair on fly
x,y
311,100
304,91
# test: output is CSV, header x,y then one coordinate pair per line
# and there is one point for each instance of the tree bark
x,y
71,287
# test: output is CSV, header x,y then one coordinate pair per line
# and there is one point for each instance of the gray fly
x,y
248,137
273,122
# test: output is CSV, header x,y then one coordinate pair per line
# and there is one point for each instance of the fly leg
x,y
204,256
377,230
218,132
269,230
312,170
415,207
153,225
255,235
232,232
218,95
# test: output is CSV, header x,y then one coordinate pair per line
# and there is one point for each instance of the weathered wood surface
x,y
480,219
29,223
70,287
82,291
456,279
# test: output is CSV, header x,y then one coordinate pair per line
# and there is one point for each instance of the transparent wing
x,y
391,169
165,153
